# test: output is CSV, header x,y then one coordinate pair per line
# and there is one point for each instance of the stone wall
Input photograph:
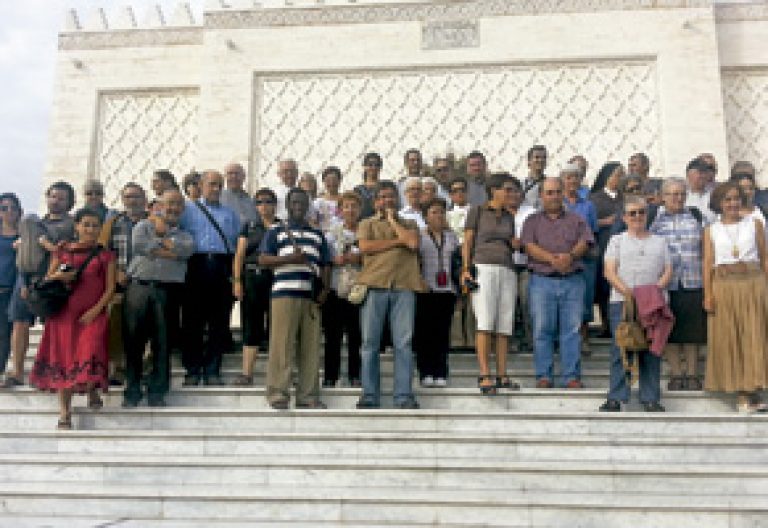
x,y
326,83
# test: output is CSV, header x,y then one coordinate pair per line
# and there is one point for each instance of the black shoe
x,y
653,407
610,406
156,401
329,384
130,403
213,381
114,382
363,403
191,380
410,403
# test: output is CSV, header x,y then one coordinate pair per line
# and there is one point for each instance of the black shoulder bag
x,y
48,297
215,225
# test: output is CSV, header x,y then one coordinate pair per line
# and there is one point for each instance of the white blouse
x,y
734,243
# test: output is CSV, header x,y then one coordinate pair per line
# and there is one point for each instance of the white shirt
x,y
281,191
701,202
409,213
523,212
457,217
734,243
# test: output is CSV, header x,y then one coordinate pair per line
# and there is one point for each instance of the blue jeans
x,y
557,305
590,278
649,368
400,307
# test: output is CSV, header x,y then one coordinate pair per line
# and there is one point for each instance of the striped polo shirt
x,y
295,280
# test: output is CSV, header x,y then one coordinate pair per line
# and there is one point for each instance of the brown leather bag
x,y
630,337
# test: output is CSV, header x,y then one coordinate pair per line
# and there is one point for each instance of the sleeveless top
x,y
734,243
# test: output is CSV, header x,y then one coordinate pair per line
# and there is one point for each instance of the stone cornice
x,y
130,38
443,10
736,12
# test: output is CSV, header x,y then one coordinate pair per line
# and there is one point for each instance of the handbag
x,y
358,293
630,337
48,297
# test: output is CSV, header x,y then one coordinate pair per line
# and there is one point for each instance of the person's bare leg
x,y
483,348
65,408
19,346
249,355
502,346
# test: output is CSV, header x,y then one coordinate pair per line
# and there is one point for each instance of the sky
x,y
28,34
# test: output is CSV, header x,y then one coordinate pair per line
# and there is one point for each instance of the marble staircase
x,y
219,456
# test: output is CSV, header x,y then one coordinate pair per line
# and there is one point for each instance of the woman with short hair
x,y
736,298
489,245
683,230
634,258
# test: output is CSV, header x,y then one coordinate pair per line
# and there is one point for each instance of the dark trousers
x,y
207,302
5,326
432,333
145,318
340,316
254,308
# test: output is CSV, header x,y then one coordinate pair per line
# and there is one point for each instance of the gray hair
x,y
428,180
673,181
633,199
410,180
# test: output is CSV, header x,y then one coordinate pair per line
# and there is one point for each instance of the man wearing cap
x,y
556,240
698,195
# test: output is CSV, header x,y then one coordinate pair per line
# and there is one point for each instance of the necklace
x,y
735,252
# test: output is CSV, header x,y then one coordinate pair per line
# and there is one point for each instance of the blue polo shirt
x,y
585,209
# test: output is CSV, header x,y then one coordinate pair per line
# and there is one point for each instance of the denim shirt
x,y
207,239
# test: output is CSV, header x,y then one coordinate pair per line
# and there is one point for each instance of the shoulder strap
x,y
95,251
696,213
215,225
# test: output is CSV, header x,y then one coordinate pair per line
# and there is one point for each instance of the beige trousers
x,y
294,330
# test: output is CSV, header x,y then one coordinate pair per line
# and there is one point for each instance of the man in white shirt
x,y
412,209
413,165
698,194
537,164
288,172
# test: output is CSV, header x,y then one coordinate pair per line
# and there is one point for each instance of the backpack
x,y
31,257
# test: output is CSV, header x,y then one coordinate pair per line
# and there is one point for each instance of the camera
x,y
65,267
471,285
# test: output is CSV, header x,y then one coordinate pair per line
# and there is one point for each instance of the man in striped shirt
x,y
299,255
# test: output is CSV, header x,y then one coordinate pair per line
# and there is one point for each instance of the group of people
x,y
420,262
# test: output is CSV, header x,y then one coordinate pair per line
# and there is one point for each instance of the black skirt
x,y
690,317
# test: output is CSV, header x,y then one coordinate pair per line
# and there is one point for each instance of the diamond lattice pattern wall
x,y
605,110
141,131
745,96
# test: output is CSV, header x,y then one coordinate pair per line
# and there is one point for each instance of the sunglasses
x,y
636,212
94,193
265,202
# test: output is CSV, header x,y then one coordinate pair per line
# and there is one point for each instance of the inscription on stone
x,y
450,34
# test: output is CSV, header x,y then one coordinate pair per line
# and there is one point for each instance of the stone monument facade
x,y
326,81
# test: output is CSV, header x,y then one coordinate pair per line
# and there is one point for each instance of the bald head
x,y
551,191
171,205
234,173
288,172
211,184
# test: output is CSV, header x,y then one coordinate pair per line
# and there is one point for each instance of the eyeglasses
x,y
94,193
636,212
632,189
552,192
265,202
458,189
441,169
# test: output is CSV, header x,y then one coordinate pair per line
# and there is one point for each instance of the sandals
x,y
243,381
488,388
503,382
65,423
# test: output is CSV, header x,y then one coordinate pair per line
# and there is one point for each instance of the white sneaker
x,y
441,382
428,381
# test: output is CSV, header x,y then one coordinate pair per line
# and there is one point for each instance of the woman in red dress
x,y
73,351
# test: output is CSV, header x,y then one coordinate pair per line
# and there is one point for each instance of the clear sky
x,y
28,31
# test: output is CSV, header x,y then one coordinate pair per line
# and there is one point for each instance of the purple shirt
x,y
556,235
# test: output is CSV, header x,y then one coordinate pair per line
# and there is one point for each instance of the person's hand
x,y
89,316
340,260
297,257
237,289
24,293
709,303
562,262
516,244
121,278
323,296
46,244
16,244
465,276
63,276
167,243
626,292
161,227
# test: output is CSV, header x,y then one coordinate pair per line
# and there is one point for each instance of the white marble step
x,y
30,521
415,474
464,399
357,446
653,425
396,506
